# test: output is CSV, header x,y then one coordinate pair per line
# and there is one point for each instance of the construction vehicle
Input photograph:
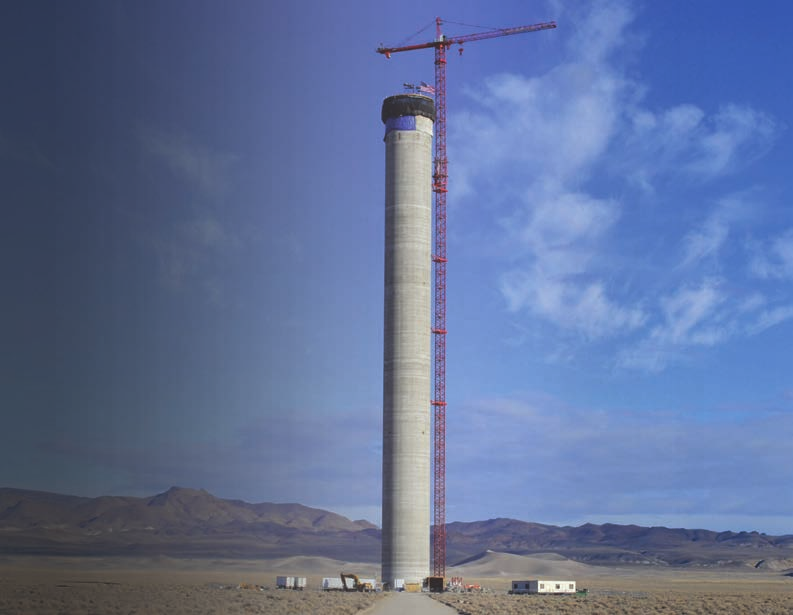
x,y
357,584
435,584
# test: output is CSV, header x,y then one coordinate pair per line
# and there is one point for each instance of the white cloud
x,y
706,242
561,220
688,315
773,259
684,141
562,232
559,156
701,315
190,247
205,169
602,32
737,134
769,318
556,127
626,464
189,251
568,304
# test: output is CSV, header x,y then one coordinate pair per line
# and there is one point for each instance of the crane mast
x,y
441,45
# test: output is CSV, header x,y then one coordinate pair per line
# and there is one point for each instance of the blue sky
x,y
192,255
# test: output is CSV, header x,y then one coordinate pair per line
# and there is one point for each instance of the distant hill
x,y
193,523
618,544
178,522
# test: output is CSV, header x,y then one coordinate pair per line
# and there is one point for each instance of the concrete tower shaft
x,y
407,358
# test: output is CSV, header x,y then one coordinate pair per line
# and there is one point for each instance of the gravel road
x,y
400,603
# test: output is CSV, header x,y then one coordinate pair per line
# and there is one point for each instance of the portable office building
x,y
543,586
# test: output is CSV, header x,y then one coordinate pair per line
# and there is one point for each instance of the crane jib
x,y
448,41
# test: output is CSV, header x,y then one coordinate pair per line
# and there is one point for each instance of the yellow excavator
x,y
356,586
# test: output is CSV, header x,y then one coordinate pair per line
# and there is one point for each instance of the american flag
x,y
426,88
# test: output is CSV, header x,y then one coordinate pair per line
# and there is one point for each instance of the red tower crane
x,y
441,44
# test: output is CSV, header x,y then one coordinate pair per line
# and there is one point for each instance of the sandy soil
x,y
642,603
615,591
162,585
50,586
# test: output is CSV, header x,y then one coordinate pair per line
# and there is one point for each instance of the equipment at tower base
x,y
435,584
357,584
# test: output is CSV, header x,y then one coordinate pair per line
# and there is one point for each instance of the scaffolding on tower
x,y
441,45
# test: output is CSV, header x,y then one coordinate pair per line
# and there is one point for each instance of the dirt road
x,y
399,603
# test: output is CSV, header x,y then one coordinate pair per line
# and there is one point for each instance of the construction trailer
x,y
543,586
290,582
332,584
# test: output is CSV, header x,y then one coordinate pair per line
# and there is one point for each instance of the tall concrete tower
x,y
408,120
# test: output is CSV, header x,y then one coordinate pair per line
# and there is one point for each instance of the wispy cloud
x,y
204,169
616,465
687,314
627,463
569,153
562,233
705,241
197,236
689,317
686,142
773,259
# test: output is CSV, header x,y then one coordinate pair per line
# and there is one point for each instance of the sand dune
x,y
320,566
494,564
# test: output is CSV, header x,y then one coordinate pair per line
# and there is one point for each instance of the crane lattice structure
x,y
441,45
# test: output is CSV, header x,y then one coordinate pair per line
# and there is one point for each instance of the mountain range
x,y
193,523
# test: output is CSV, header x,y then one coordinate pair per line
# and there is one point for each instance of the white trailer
x,y
290,582
332,583
543,586
335,583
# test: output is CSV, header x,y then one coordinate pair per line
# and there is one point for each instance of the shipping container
x,y
290,582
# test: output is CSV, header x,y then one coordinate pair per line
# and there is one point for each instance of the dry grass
x,y
131,598
114,587
134,587
647,604
624,603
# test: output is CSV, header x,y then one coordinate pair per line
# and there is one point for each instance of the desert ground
x,y
650,592
45,585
